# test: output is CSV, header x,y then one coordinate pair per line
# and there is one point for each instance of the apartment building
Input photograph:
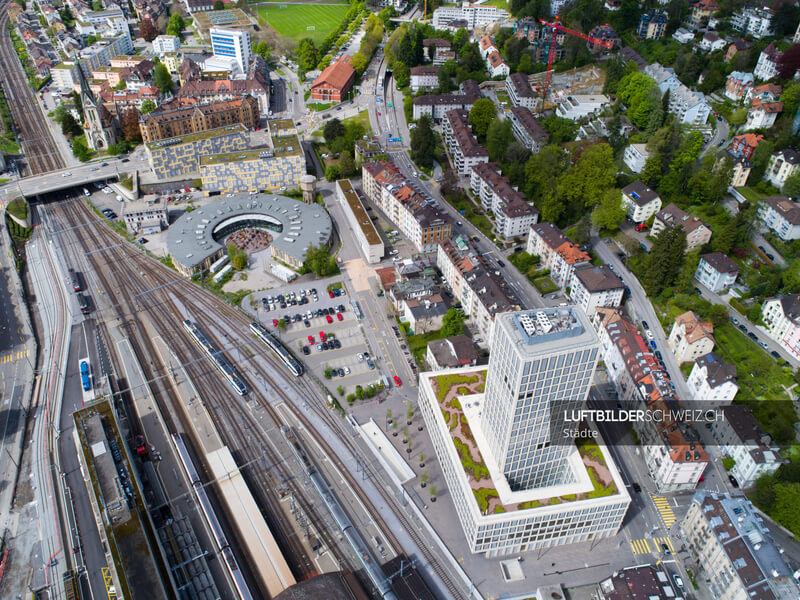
x,y
527,130
716,271
635,157
767,65
166,43
482,291
578,106
436,105
425,77
690,107
369,239
169,122
754,21
782,165
690,338
473,15
451,353
762,114
464,148
781,317
512,212
712,380
497,65
734,549
520,91
652,24
737,84
640,202
415,215
556,252
781,215
592,286
697,233
637,583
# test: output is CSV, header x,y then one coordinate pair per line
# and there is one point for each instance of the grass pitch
x,y
294,20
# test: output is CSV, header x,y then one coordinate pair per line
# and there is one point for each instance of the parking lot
x,y
343,346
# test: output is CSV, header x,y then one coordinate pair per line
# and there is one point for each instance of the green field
x,y
293,20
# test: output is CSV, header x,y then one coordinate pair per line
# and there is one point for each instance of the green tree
x,y
498,138
640,94
78,102
560,130
346,165
80,149
402,74
609,212
333,129
320,262
542,171
162,78
328,372
723,239
359,63
738,117
237,257
69,126
665,260
307,54
148,106
760,159
684,280
728,462
340,389
176,26
453,322
588,180
481,115
423,143
332,173
219,5
792,185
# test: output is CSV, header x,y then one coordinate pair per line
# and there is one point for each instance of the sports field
x,y
293,20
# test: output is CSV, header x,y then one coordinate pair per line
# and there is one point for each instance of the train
x,y
86,382
83,302
220,539
277,348
75,280
225,367
371,567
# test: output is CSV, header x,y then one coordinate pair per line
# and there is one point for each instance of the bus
x,y
85,381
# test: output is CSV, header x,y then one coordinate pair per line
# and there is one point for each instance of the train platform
x,y
386,453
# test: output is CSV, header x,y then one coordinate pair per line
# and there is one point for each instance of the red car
x,y
641,227
311,339
330,293
322,335
397,381
275,322
329,318
339,316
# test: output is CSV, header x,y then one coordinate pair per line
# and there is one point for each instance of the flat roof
x,y
285,146
360,213
194,137
191,239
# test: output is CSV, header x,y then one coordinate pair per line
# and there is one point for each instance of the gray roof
x,y
720,263
191,239
717,370
639,193
598,278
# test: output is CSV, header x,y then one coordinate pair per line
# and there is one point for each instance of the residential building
x,y
464,148
672,450
415,288
635,157
637,583
712,380
740,45
166,43
682,35
527,130
690,107
711,42
442,56
520,91
451,353
767,66
697,233
737,85
781,317
434,48
640,202
604,33
486,46
334,82
703,10
482,291
742,438
578,106
796,37
357,216
203,92
423,316
436,105
424,77
416,216
193,6
690,338
762,115
496,65
754,21
716,271
741,171
782,165
166,122
652,24
745,144
735,550
526,28
179,157
474,15
592,286
513,215
145,217
664,77
768,92
65,76
556,252
781,215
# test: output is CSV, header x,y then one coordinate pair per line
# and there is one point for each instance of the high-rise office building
x,y
541,365
233,44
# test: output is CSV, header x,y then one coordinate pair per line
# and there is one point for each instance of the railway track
x,y
147,287
37,141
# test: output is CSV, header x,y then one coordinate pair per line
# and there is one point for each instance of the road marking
x,y
640,546
112,595
665,510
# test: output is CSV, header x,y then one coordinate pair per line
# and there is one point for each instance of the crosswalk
x,y
12,356
651,545
665,510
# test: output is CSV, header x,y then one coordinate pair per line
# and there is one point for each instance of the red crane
x,y
556,26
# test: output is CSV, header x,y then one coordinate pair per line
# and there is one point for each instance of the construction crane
x,y
556,26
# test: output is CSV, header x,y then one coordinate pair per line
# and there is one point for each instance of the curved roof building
x,y
194,240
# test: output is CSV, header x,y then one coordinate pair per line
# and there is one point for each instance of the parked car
x,y
397,381
339,316
306,351
328,317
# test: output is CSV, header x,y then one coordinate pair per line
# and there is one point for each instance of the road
x,y
719,138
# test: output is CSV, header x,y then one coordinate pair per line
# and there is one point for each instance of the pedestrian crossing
x,y
12,356
651,545
665,510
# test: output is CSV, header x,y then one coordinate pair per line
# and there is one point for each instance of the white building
x,y
232,44
512,212
782,165
424,77
65,76
741,437
690,107
592,286
578,106
716,271
664,77
436,105
474,15
754,21
556,252
712,380
762,115
166,43
463,146
526,129
368,237
451,353
781,215
635,157
145,217
735,550
767,65
522,467
711,42
682,35
690,338
781,317
520,91
640,202
496,65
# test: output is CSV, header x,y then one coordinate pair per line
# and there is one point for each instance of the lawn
x,y
545,285
298,21
8,146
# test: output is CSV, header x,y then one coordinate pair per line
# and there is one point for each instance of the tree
x,y
784,21
587,181
69,126
560,130
162,79
346,165
723,239
147,30
90,39
433,491
333,129
760,159
421,458
453,322
665,260
640,94
121,86
130,126
609,212
147,107
328,372
176,25
685,277
307,54
219,5
320,262
481,115
498,138
80,149
78,101
340,389
789,62
332,173
359,63
542,171
423,479
237,257
423,142
262,49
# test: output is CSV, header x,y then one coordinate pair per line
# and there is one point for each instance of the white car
x,y
360,357
347,370
649,334
67,174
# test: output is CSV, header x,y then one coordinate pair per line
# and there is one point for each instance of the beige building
x,y
697,233
149,216
640,202
357,217
690,338
782,165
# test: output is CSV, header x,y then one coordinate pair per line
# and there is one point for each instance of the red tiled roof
x,y
337,75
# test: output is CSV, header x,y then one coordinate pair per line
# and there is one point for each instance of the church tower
x,y
98,124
